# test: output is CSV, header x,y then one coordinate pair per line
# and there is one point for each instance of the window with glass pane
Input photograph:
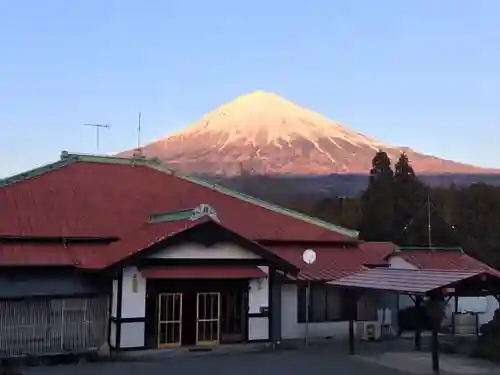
x,y
334,306
326,304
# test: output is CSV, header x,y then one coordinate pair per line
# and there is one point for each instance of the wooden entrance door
x,y
169,319
207,318
233,317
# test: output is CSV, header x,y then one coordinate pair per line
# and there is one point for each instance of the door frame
x,y
167,321
205,320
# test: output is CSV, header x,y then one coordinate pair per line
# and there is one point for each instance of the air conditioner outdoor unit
x,y
369,331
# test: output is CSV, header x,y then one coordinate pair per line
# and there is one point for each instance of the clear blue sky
x,y
425,73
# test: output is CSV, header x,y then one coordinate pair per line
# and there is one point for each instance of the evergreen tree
x,y
477,220
377,202
410,199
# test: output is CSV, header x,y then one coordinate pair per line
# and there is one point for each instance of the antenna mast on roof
x,y
429,223
98,127
139,130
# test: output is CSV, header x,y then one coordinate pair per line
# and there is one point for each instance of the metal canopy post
x,y
453,316
353,307
308,306
419,316
436,316
435,350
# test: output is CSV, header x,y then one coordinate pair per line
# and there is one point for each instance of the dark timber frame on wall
x,y
118,319
155,287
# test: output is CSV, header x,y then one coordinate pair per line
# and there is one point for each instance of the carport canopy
x,y
408,281
419,282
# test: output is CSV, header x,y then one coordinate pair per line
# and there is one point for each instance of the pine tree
x,y
410,199
377,202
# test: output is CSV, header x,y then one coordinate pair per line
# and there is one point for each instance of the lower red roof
x,y
203,273
445,260
335,262
48,254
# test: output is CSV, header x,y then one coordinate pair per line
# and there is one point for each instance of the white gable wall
x,y
197,251
400,263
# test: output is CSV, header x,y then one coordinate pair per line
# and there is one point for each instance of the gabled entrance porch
x,y
202,286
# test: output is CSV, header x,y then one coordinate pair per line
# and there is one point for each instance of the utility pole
x,y
429,224
98,127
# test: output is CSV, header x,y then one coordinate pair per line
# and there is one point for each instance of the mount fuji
x,y
266,134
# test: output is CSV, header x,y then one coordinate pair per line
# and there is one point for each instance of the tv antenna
x,y
98,127
139,130
429,222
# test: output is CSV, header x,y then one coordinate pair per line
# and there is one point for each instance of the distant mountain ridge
x,y
341,184
266,134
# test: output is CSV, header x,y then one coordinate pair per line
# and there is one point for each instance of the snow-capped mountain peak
x,y
271,135
262,117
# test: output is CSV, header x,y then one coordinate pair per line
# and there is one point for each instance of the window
x,y
326,304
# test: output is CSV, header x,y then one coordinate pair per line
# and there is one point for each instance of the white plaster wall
x,y
258,328
258,296
292,329
399,263
491,306
114,300
485,307
133,302
196,251
132,335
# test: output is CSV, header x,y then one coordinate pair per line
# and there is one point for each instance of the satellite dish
x,y
309,256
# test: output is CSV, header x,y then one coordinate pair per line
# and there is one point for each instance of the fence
x,y
36,327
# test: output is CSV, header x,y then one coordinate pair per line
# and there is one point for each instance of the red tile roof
x,y
335,262
444,260
46,254
203,273
101,199
110,197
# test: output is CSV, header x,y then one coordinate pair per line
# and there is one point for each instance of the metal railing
x,y
34,327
